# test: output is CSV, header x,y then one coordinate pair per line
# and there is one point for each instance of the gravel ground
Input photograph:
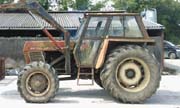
x,y
71,95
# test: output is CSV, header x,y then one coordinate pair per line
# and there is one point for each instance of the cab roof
x,y
110,13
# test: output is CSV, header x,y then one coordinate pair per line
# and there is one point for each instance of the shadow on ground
x,y
65,95
11,94
97,95
165,97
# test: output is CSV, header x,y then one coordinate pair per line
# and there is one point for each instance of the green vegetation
x,y
81,5
4,1
1,1
44,3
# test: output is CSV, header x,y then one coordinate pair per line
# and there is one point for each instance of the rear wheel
x,y
38,82
130,74
172,55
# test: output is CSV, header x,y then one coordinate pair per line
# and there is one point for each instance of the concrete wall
x,y
13,47
12,50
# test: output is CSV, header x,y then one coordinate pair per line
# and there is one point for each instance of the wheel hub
x,y
37,84
132,74
129,74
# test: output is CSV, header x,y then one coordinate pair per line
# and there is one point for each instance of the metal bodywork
x,y
171,51
42,46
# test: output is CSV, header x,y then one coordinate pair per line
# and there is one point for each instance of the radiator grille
x,y
36,56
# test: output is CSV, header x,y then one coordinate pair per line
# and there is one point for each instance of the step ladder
x,y
79,74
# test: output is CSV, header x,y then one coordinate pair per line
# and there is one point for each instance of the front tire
x,y
172,55
130,74
38,82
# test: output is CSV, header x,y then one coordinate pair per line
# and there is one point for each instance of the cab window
x,y
116,27
96,27
124,26
131,27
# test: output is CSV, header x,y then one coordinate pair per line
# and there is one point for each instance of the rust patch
x,y
44,46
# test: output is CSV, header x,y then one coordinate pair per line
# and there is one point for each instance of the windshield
x,y
171,44
80,30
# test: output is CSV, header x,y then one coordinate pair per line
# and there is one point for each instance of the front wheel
x,y
38,82
130,74
172,55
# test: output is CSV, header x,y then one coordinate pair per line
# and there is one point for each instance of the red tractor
x,y
111,48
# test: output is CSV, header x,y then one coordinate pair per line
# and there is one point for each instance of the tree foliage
x,y
169,16
64,4
134,5
44,3
82,4
1,1
97,6
5,1
74,4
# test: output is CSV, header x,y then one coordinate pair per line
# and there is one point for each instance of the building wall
x,y
13,47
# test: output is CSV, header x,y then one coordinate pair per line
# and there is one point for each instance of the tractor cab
x,y
98,27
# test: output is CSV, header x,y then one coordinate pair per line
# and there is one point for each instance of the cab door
x,y
87,48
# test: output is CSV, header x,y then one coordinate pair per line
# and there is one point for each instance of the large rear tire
x,y
130,74
38,82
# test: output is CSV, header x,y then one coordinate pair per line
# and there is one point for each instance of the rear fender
x,y
107,47
102,54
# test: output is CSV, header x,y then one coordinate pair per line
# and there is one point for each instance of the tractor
x,y
110,48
